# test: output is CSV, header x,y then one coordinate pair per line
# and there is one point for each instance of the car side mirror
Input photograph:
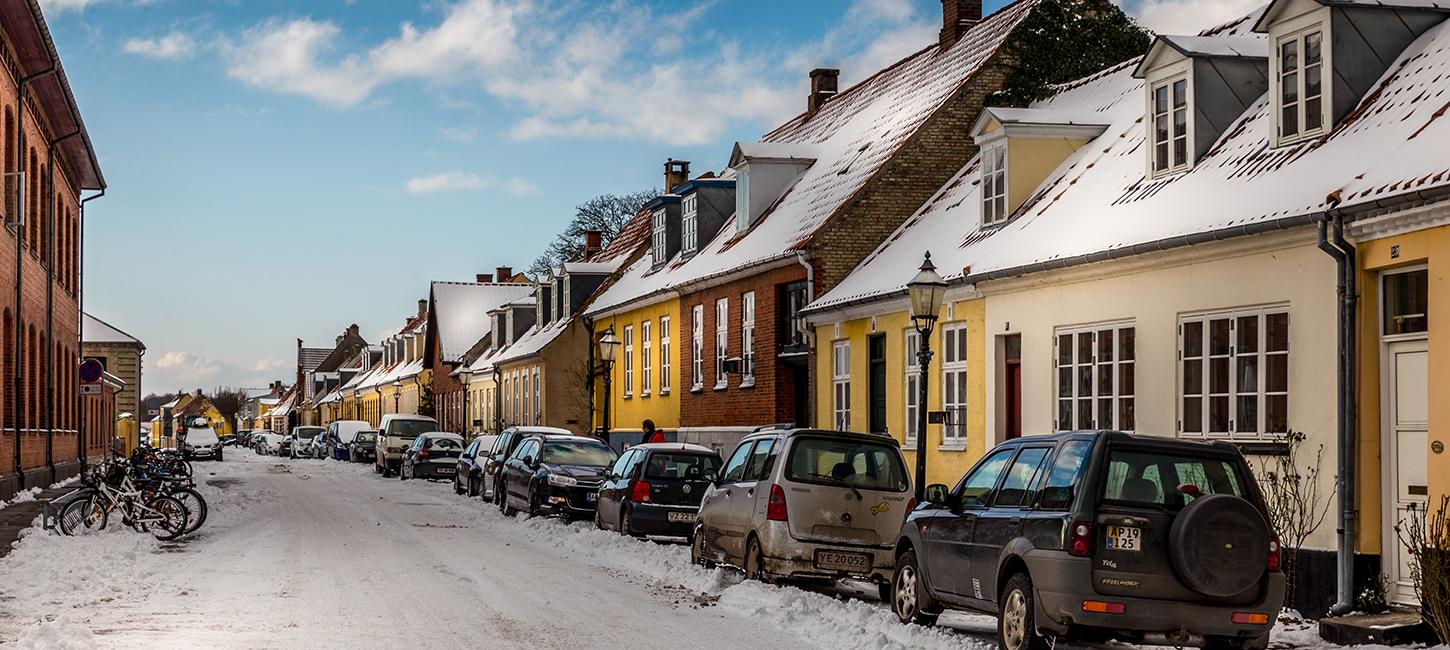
x,y
712,476
937,493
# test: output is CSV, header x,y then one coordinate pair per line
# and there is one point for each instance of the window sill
x,y
952,446
748,382
697,388
644,394
722,385
628,396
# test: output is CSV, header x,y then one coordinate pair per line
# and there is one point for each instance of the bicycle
x,y
110,488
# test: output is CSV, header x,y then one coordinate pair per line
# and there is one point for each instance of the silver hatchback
x,y
806,503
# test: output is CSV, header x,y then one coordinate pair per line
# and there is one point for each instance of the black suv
x,y
554,474
1098,535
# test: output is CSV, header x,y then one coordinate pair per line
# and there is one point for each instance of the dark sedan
x,y
552,474
364,447
655,489
468,479
433,455
503,447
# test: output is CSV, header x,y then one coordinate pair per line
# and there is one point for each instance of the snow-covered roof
x,y
603,268
532,341
1220,47
774,151
1055,117
95,330
1100,202
1273,7
461,309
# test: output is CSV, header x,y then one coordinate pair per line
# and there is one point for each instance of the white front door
x,y
1406,476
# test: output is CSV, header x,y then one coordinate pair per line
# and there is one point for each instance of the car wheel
x,y
754,562
533,503
457,486
626,526
474,489
697,549
402,471
218,455
907,593
598,518
1017,622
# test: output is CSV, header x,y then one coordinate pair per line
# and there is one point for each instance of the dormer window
x,y
1300,72
1170,126
742,199
994,184
658,239
689,226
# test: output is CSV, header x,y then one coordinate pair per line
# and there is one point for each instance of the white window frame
x,y
646,364
742,198
538,397
628,361
954,375
841,385
689,224
747,339
526,411
1236,363
1173,76
722,342
1296,30
664,355
995,208
697,347
1097,360
658,238
912,408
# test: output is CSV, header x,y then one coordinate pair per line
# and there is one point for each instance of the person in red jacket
x,y
650,433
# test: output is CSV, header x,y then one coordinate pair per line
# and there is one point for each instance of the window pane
x,y
1193,339
1084,348
1218,375
1180,93
1014,491
1084,414
1248,334
1406,303
1064,349
1160,156
1064,414
981,481
1276,413
1277,367
1180,151
1193,377
1277,330
1289,56
1313,114
1161,128
1057,492
1064,382
1105,379
1247,420
1311,81
1248,374
1126,344
1105,413
1218,336
1125,379
1193,415
1180,123
1084,381
1160,99
1312,43
1128,415
1289,121
1218,414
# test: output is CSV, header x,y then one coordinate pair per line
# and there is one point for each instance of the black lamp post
x,y
397,395
927,291
463,377
608,347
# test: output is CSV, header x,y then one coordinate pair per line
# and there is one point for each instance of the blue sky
x,y
283,169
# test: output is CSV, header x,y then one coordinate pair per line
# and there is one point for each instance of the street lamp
x,y
927,290
608,347
397,395
463,377
356,402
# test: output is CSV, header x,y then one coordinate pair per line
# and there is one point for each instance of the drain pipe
x,y
80,315
800,258
1345,259
50,256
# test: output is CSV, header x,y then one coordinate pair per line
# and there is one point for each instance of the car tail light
x,y
910,504
423,453
1250,618
1275,555
775,509
640,492
1080,538
1101,607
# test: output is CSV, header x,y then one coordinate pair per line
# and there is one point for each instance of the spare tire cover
x,y
1219,545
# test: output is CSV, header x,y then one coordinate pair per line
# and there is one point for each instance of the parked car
x,y
201,441
1097,536
265,442
433,455
468,479
508,440
284,447
301,441
395,434
340,435
807,503
554,474
363,447
655,489
317,446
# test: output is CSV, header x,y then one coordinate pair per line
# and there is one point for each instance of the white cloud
x,y
521,187
447,182
174,45
62,6
284,56
186,366
1187,16
269,364
457,134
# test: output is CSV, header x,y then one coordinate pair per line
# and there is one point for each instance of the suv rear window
x,y
410,428
1168,479
680,466
842,461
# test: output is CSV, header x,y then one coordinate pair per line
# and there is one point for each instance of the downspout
x,y
1345,260
589,334
19,267
800,258
50,256
80,317
497,399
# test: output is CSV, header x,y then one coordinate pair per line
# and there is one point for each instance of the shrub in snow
x,y
1427,536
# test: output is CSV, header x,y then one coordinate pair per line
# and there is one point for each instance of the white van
x,y
201,441
395,435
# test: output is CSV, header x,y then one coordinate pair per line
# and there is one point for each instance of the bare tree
x,y
1297,507
606,213
228,400
1427,537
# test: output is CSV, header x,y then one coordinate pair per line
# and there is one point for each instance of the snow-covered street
x,y
328,554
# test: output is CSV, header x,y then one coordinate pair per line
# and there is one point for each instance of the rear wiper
x,y
859,496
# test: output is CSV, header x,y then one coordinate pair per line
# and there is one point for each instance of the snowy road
x,y
326,554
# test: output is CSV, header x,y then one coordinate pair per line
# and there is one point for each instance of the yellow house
x,y
645,376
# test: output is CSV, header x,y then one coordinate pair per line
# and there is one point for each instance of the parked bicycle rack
x,y
49,510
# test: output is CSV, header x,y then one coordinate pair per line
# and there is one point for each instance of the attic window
x,y
1170,125
657,239
994,184
1299,96
689,228
742,199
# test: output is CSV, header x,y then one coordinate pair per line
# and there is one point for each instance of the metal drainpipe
x,y
19,267
1344,257
800,258
80,317
589,334
497,399
50,255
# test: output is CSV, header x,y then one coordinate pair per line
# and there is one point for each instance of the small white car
x,y
301,441
266,443
395,435
201,441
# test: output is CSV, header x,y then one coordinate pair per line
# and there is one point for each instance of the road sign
x,y
90,389
91,371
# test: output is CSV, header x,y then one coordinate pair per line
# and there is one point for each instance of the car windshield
x,y
308,432
410,428
366,436
590,454
446,443
861,464
1169,479
676,465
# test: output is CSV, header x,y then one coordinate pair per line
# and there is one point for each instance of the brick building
x,y
120,354
48,161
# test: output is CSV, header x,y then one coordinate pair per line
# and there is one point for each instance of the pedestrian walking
x,y
650,433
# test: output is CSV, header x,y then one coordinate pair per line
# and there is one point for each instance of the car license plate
x,y
591,497
840,561
681,516
445,470
1125,538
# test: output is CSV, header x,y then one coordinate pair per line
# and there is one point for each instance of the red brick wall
x,y
447,390
771,399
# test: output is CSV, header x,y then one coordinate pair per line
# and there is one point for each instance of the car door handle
x,y
750,492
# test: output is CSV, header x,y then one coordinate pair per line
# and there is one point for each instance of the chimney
x,y
676,173
483,278
957,16
339,340
422,307
352,329
823,87
594,239
504,273
198,392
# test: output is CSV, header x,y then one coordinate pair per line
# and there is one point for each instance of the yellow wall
x,y
626,414
1030,160
942,465
480,402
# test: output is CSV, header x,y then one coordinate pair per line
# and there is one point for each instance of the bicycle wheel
x,y
167,518
195,507
84,515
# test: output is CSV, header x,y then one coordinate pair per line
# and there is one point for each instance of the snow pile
x,y
60,634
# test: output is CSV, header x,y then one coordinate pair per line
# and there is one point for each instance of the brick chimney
x,y
594,239
957,16
352,329
422,307
823,87
483,278
504,273
676,173
198,392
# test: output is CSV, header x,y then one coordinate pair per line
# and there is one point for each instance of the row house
x,y
341,403
120,354
459,329
253,413
811,199
325,376
394,382
48,161
1169,247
